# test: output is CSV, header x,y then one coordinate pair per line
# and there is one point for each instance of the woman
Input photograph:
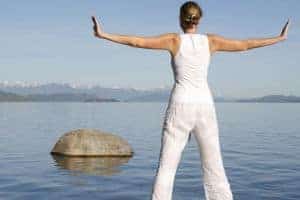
x,y
191,107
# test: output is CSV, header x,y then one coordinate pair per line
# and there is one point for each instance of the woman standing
x,y
191,107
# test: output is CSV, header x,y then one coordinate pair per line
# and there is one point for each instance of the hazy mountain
x,y
153,96
69,92
122,94
163,96
61,97
272,98
9,97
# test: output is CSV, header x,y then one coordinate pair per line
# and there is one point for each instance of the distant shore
x,y
161,97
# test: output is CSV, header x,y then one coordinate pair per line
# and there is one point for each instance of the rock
x,y
90,142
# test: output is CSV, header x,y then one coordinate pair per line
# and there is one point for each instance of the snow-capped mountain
x,y
123,94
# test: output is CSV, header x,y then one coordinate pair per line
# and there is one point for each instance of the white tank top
x,y
190,68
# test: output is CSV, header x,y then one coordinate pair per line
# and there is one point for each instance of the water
x,y
260,146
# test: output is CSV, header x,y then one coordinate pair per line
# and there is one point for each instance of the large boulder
x,y
90,142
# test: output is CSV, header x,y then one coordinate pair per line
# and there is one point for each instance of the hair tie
x,y
190,18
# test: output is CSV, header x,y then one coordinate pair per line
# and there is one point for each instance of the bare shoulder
x,y
214,40
174,42
169,39
173,37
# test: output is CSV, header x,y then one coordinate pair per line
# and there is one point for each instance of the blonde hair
x,y
190,13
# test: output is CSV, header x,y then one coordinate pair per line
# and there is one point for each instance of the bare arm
x,y
162,42
218,43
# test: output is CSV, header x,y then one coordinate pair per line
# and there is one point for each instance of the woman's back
x,y
190,67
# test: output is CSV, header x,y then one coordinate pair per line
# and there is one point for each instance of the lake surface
x,y
260,147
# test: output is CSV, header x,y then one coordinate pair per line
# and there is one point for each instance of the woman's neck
x,y
191,30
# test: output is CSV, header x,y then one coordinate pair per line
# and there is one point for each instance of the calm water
x,y
260,144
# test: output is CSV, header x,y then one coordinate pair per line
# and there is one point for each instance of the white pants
x,y
180,120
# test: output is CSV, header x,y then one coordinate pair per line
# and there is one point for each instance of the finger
x,y
286,29
94,20
287,24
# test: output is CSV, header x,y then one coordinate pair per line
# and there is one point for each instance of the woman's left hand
x,y
97,29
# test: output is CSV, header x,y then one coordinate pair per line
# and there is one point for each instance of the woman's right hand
x,y
284,32
97,29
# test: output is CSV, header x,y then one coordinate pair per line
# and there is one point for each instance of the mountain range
x,y
63,92
90,92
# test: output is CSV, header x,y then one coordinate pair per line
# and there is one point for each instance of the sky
x,y
52,41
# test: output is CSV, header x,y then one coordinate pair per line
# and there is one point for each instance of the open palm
x,y
97,29
284,31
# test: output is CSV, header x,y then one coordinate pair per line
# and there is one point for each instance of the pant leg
x,y
176,129
216,185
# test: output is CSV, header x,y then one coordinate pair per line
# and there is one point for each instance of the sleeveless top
x,y
190,68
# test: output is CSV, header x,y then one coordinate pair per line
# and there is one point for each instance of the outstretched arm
x,y
164,42
218,43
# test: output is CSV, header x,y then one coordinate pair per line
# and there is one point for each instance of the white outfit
x,y
191,110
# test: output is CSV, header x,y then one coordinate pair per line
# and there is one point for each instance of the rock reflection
x,y
103,166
